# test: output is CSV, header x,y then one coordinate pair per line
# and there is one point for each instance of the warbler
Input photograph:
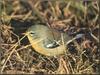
x,y
46,40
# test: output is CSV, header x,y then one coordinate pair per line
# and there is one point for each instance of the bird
x,y
46,40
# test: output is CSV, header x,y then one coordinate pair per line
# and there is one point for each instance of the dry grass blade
x,y
13,48
77,19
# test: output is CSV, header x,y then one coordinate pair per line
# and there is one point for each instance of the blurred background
x,y
72,17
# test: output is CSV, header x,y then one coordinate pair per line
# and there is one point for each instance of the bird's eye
x,y
32,33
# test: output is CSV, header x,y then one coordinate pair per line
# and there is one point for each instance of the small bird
x,y
47,41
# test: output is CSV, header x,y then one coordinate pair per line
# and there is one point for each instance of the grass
x,y
71,17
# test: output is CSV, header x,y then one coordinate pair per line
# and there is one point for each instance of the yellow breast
x,y
40,35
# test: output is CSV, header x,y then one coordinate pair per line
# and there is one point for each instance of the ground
x,y
71,17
